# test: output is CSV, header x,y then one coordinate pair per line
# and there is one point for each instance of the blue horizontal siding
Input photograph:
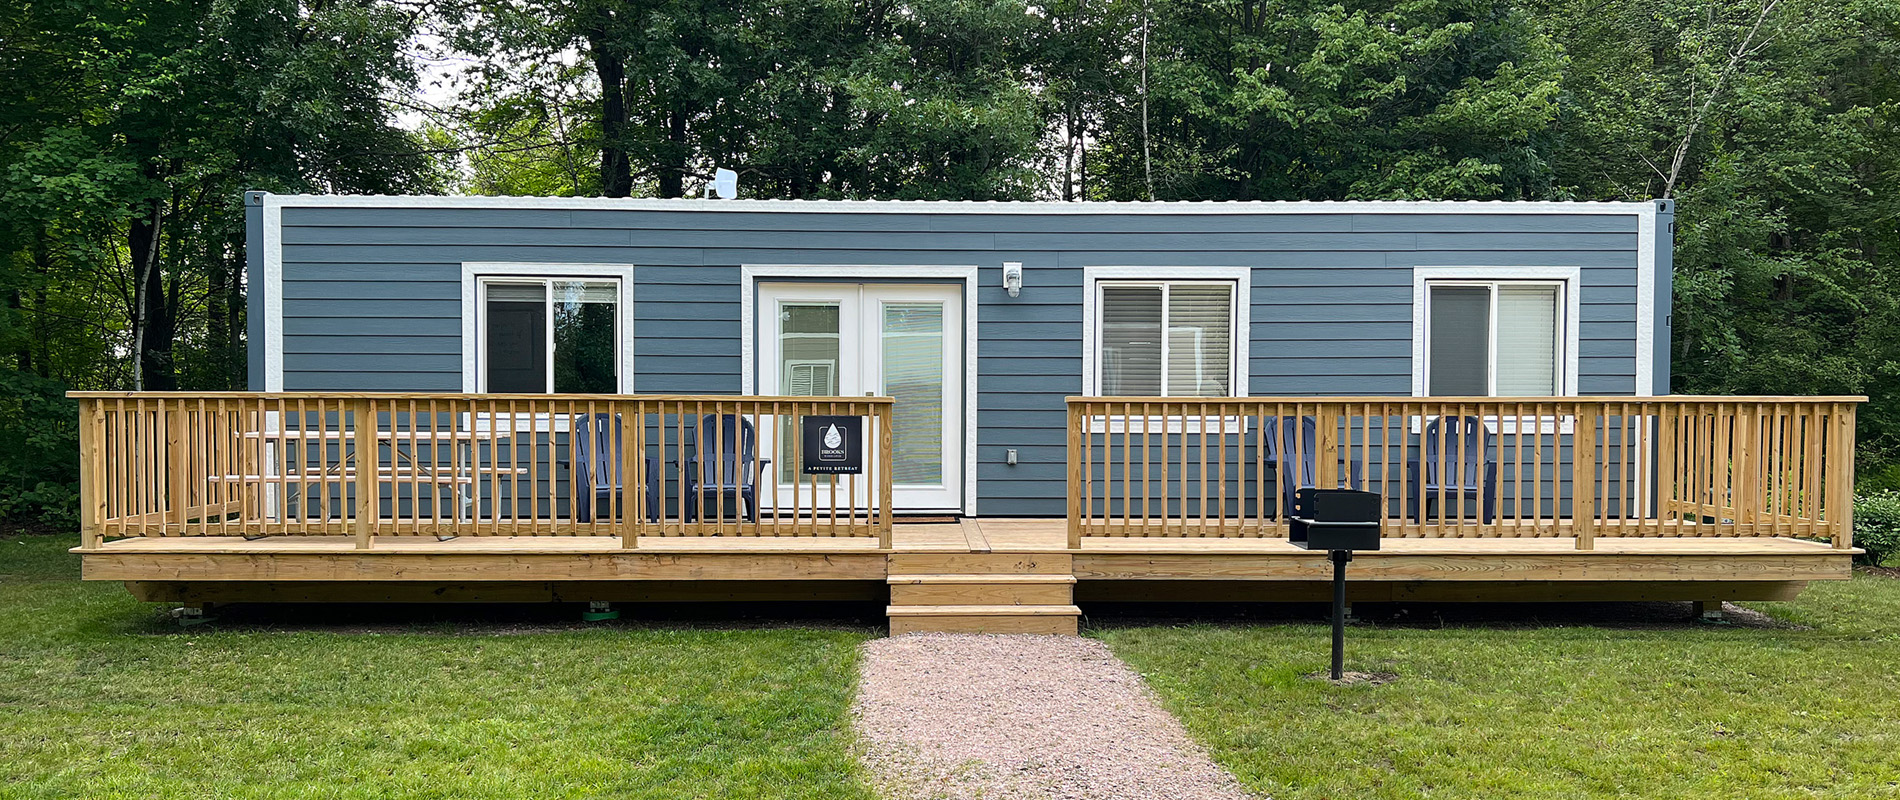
x,y
372,296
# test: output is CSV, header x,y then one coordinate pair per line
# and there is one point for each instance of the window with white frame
x,y
1164,338
549,334
1496,338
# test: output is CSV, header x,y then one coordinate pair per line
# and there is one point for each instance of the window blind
x,y
1200,321
1131,341
1527,341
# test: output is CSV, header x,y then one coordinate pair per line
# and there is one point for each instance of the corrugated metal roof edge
x,y
964,206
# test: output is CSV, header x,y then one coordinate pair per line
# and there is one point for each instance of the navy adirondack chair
x,y
1281,442
723,465
596,446
1459,446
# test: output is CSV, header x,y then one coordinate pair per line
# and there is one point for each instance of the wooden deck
x,y
988,574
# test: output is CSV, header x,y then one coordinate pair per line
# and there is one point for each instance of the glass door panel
x,y
913,376
809,347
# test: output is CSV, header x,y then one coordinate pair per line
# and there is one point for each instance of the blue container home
x,y
909,300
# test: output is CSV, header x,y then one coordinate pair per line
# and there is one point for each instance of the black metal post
x,y
1339,559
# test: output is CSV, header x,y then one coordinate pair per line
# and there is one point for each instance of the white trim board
x,y
1646,300
960,207
749,275
273,290
473,271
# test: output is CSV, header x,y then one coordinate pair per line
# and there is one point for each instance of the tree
x,y
122,161
1252,100
836,98
1776,125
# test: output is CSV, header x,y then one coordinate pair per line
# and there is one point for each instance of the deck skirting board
x,y
620,566
1419,567
667,591
1221,591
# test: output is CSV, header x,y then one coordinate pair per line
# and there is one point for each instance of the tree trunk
x,y
223,317
672,175
154,327
616,175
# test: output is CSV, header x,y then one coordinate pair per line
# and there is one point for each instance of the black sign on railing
x,y
833,445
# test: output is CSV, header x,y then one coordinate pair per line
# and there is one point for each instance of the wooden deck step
x,y
1044,619
961,590
982,564
981,578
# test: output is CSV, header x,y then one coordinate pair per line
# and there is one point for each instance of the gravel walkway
x,y
1006,717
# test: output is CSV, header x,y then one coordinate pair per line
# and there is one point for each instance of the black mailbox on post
x,y
1335,519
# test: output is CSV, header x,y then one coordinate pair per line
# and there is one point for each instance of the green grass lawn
x,y
101,696
1493,710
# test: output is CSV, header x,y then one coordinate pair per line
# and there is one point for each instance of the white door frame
x,y
751,274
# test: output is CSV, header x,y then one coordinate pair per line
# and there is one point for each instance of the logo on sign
x,y
834,445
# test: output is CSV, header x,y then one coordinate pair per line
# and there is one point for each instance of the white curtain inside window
x,y
1527,341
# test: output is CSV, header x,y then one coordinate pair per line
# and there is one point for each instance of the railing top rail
x,y
1672,398
664,398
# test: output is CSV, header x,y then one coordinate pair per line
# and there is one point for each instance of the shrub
x,y
1877,525
39,450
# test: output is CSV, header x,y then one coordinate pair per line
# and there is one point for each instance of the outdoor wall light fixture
x,y
1013,277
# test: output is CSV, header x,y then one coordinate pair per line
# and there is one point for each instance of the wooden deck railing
x,y
265,464
1585,467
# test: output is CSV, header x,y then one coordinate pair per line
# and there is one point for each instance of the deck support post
x,y
1840,467
886,505
91,472
599,611
191,614
367,465
1583,478
1709,610
1327,442
633,478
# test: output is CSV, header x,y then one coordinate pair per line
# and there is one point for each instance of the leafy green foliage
x,y
1877,526
127,136
39,433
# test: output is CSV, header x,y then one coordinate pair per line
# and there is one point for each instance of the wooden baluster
x,y
1668,468
1127,496
1147,467
1813,491
832,409
1385,462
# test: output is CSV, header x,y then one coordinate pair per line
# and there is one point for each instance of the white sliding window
x,y
1500,338
1165,338
541,335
